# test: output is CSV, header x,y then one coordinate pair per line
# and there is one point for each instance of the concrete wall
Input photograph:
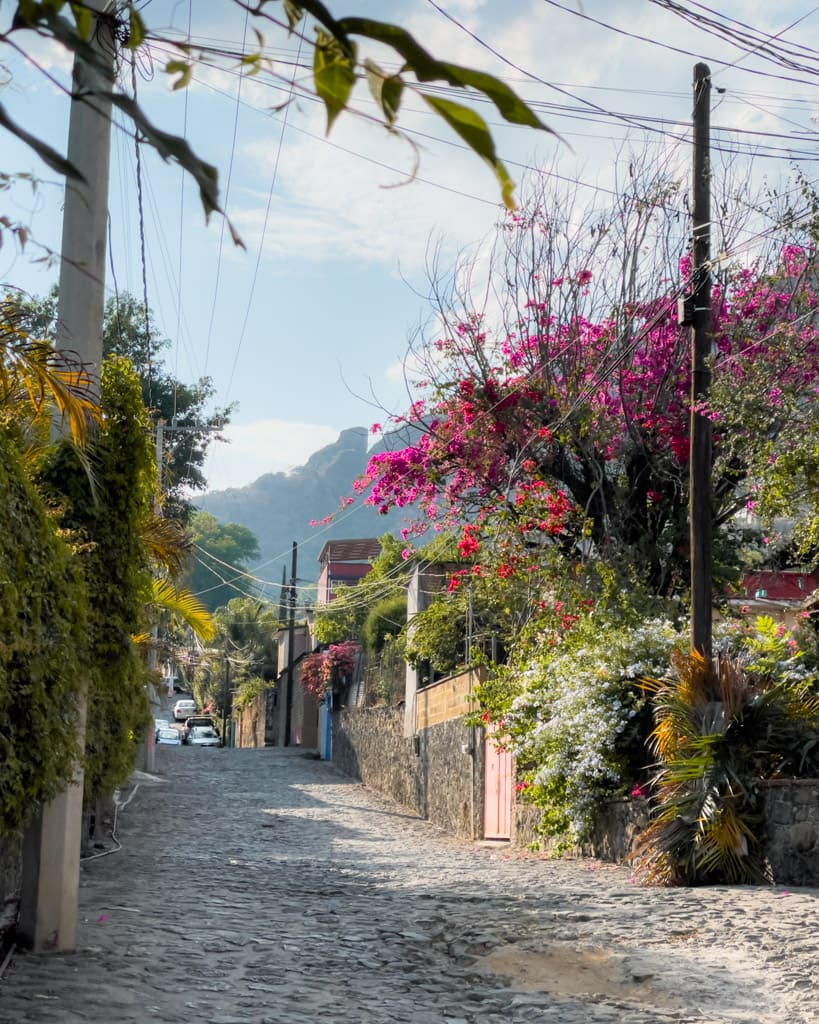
x,y
437,774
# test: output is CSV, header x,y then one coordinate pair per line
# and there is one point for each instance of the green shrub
x,y
43,639
104,514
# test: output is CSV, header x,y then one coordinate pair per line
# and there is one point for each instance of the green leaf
x,y
323,17
49,156
181,68
26,14
333,74
473,130
386,90
84,19
427,69
294,13
136,29
177,149
253,63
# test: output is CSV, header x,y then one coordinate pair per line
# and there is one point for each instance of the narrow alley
x,y
260,887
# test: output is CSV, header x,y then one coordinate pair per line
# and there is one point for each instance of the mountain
x,y
278,507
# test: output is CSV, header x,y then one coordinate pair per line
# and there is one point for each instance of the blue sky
x,y
307,329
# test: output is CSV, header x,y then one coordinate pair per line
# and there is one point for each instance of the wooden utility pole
x,y
700,454
51,845
291,641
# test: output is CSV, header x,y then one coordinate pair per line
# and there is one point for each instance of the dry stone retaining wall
x,y
438,773
790,826
791,812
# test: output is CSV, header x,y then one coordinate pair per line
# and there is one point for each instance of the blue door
x,y
326,728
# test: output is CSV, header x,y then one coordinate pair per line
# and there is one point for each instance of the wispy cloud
x,y
263,446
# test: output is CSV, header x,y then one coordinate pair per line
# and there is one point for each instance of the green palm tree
x,y
35,380
720,731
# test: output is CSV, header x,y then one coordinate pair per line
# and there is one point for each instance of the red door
x,y
497,803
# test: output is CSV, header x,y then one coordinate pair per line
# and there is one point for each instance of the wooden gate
x,y
497,801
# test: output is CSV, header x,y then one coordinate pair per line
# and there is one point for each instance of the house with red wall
x,y
344,563
779,593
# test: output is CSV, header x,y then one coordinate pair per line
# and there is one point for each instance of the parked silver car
x,y
203,736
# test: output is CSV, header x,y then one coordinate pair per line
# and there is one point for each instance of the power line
x,y
227,195
262,238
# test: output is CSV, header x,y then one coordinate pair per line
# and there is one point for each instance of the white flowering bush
x,y
770,650
578,722
577,728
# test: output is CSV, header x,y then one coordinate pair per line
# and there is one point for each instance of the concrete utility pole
x,y
700,455
291,642
51,846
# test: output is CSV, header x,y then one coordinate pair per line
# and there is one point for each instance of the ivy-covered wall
x,y
43,631
43,624
103,502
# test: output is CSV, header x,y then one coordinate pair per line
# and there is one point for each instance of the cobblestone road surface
x,y
259,886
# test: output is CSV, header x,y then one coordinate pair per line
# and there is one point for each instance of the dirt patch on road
x,y
565,970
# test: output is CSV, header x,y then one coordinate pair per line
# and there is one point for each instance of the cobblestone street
x,y
260,886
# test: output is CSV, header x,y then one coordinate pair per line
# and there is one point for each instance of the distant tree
x,y
189,428
222,553
243,655
386,618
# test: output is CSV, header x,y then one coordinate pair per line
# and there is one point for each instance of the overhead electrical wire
x,y
747,142
273,181
226,199
180,263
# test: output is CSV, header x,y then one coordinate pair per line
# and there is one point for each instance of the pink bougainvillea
x,y
578,432
325,669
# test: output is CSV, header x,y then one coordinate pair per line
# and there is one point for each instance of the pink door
x,y
497,803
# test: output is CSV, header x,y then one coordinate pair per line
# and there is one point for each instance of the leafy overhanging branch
x,y
335,70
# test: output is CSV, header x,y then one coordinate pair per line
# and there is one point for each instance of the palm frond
x,y
718,731
44,380
181,602
167,542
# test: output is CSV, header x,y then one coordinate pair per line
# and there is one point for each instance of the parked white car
x,y
203,736
184,709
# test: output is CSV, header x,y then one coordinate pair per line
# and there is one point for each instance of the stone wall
x,y
791,810
612,840
11,869
790,826
438,773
